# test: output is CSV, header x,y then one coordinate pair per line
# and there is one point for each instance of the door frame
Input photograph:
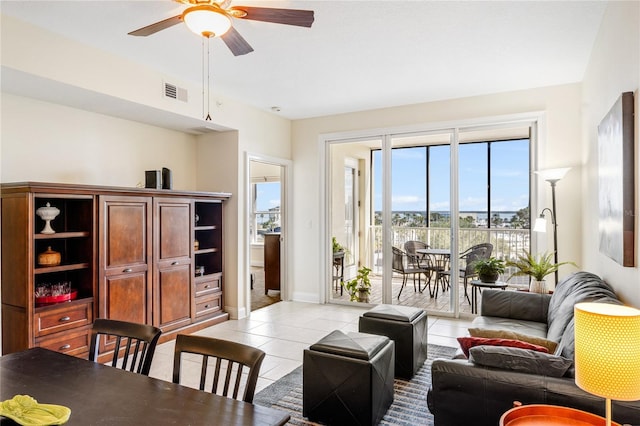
x,y
285,223
535,119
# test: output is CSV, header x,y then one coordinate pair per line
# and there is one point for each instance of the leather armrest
x,y
520,305
464,393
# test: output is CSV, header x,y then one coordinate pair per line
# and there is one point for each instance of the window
x,y
265,213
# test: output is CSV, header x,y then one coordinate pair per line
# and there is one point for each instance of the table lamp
x,y
607,351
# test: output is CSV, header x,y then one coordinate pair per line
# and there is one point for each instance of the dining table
x,y
439,263
101,395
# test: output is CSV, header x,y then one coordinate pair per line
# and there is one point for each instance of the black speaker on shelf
x,y
153,179
167,179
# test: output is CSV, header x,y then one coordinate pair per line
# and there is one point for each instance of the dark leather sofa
x,y
463,392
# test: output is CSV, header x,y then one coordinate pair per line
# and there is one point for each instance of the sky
x,y
509,177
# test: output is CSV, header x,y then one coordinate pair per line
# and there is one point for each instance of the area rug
x,y
409,403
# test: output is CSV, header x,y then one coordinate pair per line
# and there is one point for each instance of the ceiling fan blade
x,y
301,18
158,26
236,43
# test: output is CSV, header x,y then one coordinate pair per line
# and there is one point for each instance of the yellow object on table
x,y
26,411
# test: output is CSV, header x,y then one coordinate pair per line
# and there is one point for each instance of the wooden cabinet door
x,y
125,258
173,270
271,262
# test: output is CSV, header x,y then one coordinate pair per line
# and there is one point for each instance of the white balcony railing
x,y
507,243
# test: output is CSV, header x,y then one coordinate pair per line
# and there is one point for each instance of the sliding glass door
x,y
408,205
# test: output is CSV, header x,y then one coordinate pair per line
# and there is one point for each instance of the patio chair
x,y
400,264
466,272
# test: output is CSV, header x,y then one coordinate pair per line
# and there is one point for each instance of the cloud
x,y
406,199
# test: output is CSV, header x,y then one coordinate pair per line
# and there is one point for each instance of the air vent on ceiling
x,y
174,92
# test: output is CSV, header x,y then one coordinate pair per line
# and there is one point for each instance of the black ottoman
x,y
407,327
347,379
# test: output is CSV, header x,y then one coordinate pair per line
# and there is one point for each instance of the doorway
x,y
266,232
448,189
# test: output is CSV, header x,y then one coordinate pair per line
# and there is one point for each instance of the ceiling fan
x,y
212,18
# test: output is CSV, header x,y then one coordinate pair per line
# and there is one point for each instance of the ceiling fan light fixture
x,y
206,20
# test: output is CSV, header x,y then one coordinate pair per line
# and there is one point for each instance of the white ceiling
x,y
358,55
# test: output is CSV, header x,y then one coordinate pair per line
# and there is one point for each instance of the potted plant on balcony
x,y
536,268
359,288
337,247
489,270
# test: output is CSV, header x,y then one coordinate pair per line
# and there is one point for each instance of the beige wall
x,y
614,68
561,147
43,141
52,143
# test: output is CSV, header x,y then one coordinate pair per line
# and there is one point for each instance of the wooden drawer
x,y
208,304
75,342
208,284
65,317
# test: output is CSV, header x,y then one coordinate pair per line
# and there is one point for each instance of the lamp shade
x,y
553,174
206,20
540,225
607,350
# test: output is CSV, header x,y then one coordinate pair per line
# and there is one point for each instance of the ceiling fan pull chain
x,y
208,118
202,73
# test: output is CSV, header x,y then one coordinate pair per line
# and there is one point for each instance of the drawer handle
x,y
64,319
64,347
206,306
175,263
127,270
206,286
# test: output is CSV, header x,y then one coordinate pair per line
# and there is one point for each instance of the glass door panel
x,y
420,220
351,193
493,198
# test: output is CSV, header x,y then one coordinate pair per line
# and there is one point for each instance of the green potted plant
x,y
337,247
359,288
489,270
535,267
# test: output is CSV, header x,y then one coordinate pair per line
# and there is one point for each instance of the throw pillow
x,y
521,360
467,343
508,334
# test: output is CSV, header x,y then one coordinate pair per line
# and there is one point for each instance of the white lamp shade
x,y
540,225
206,20
553,174
607,350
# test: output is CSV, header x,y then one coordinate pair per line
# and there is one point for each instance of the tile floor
x,y
284,329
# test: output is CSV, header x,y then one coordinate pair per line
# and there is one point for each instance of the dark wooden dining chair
x,y
134,344
228,363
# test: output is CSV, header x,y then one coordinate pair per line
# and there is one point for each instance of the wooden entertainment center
x,y
142,255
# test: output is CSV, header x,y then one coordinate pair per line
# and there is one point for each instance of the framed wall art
x,y
616,192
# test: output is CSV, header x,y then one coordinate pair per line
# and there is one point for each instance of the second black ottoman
x,y
407,327
347,379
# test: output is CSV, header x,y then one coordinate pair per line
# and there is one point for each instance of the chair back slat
x,y
228,355
134,356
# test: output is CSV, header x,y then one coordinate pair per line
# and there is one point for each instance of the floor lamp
x,y
552,176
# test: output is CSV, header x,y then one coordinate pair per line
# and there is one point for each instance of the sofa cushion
x,y
467,343
521,360
508,334
531,328
578,287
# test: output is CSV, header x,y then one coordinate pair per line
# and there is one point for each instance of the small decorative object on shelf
x,y
199,271
54,293
49,257
196,219
196,244
48,213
